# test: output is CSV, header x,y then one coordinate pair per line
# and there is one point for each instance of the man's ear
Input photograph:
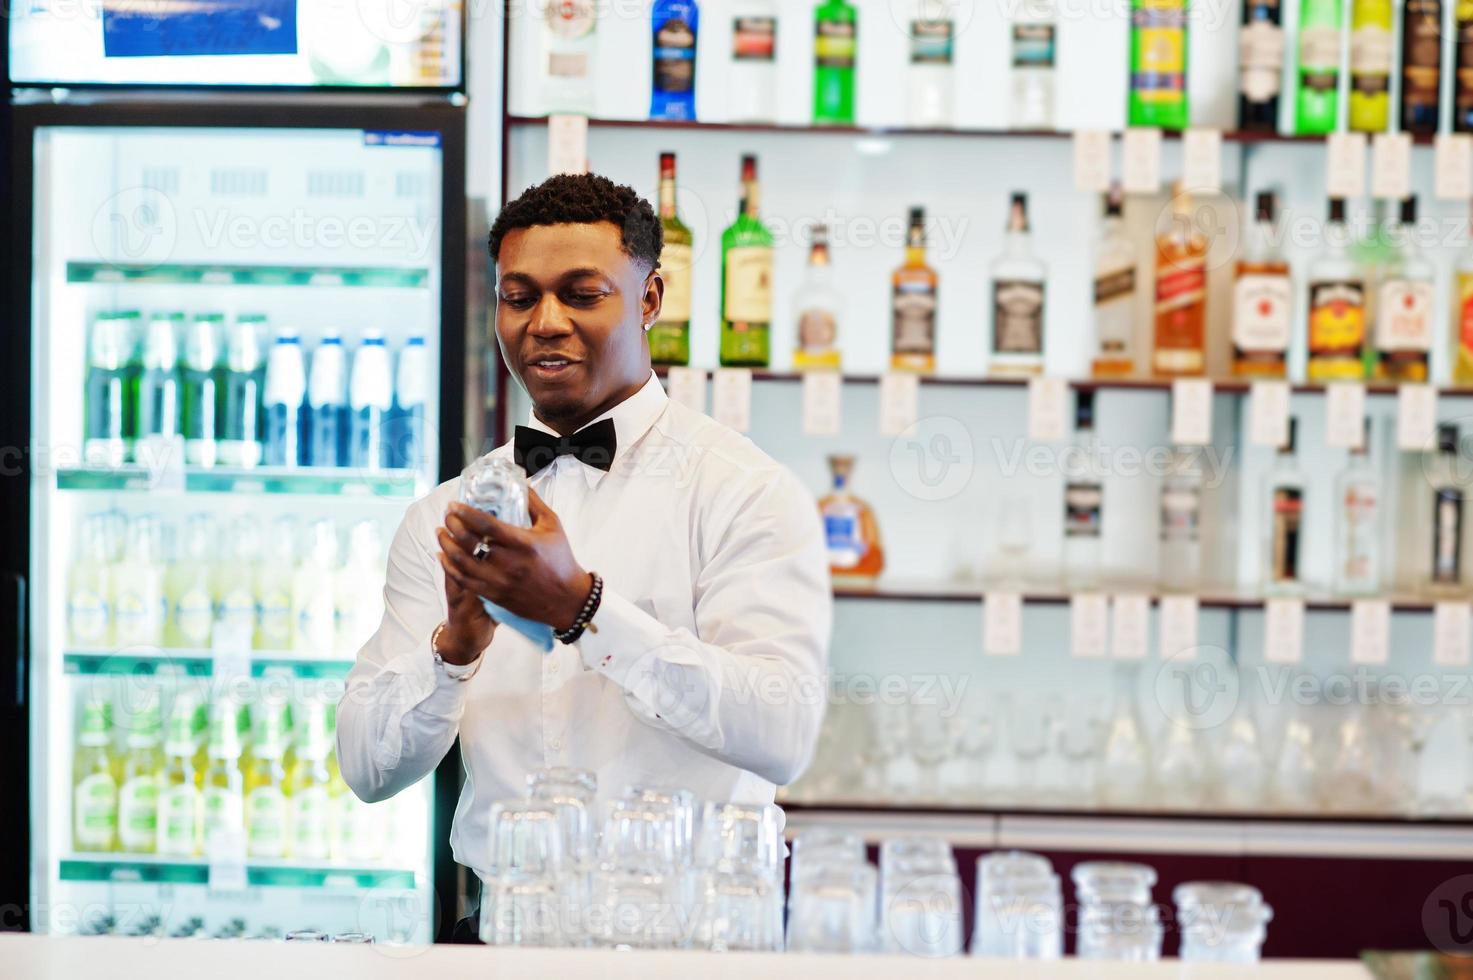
x,y
653,299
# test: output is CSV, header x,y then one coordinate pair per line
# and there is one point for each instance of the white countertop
x,y
31,957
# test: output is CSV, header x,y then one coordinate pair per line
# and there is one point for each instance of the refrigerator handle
x,y
13,617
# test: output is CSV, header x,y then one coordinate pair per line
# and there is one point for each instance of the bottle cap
x,y
1084,409
1337,209
1114,200
1409,210
1447,439
1288,447
1264,210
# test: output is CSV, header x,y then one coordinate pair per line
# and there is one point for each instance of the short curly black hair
x,y
585,199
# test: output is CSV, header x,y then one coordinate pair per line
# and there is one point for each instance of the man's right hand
x,y
469,628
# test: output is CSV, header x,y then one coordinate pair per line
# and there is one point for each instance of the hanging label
x,y
1370,631
822,398
1268,413
1179,615
567,145
1391,166
900,398
1048,405
731,398
688,387
1002,624
1283,631
1345,415
1129,624
1141,160
1345,162
1453,167
1091,161
1191,411
1202,160
1089,619
1416,418
1450,633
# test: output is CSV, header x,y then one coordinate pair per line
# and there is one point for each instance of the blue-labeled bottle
x,y
408,448
675,25
370,395
327,403
285,390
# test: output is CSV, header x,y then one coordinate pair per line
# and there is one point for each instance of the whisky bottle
x,y
674,25
1317,104
1033,37
1370,65
1337,307
1018,278
1260,65
1181,291
1114,294
670,335
1404,307
1262,300
751,86
1421,65
1284,521
1084,499
1446,570
820,308
913,304
1158,64
1462,332
1463,66
1181,512
836,48
850,529
746,281
1358,515
570,46
931,80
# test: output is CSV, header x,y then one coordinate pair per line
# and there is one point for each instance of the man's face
x,y
570,316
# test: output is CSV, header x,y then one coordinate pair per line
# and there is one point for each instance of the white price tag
x,y
1088,632
1370,631
1130,619
1391,166
1453,167
823,393
1450,633
1048,409
1179,615
1416,417
731,398
226,853
1283,631
1092,161
1202,160
900,402
1345,162
567,145
1268,413
1345,415
688,387
1191,411
1002,624
1142,161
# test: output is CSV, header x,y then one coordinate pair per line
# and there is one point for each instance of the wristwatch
x,y
458,672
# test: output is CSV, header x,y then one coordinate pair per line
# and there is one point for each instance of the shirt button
x,y
552,667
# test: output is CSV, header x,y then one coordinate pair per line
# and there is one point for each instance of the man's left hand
x,y
530,571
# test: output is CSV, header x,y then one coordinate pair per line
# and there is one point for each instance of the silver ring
x,y
481,550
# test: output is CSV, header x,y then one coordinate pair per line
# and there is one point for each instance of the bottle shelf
x,y
148,869
176,274
197,663
293,481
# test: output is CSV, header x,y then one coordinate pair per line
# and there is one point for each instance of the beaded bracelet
x,y
585,615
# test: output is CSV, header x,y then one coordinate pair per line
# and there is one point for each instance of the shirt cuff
x,y
620,638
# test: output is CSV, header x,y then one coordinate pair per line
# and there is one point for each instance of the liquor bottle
x,y
202,394
1404,307
850,527
1181,291
327,403
358,588
307,789
274,584
931,79
1358,517
242,414
1018,278
224,784
89,593
1114,293
180,821
1446,570
913,304
1370,65
751,86
233,582
111,396
1337,307
284,392
267,822
836,48
1263,300
1181,510
1158,64
1260,65
94,781
746,280
159,399
1462,331
1034,35
569,41
670,336
675,26
1084,498
312,593
138,586
370,396
188,590
1283,548
1421,66
138,793
1463,66
409,448
1317,105
820,309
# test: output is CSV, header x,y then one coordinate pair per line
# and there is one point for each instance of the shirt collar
x,y
632,418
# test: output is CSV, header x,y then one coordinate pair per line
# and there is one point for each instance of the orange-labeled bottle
x,y
1181,291
850,529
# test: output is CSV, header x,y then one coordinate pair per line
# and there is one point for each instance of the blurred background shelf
x,y
174,274
197,663
151,869
297,481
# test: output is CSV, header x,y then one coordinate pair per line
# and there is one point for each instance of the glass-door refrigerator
x,y
237,360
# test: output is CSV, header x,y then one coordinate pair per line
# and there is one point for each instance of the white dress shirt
x,y
708,667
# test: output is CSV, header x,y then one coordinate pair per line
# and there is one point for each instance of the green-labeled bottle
x,y
1317,106
746,281
1158,64
1370,65
670,335
836,47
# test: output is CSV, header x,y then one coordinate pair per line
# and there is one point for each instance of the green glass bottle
x,y
836,41
670,335
1317,103
1158,64
746,281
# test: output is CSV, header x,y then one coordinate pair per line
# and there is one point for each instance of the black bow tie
x,y
535,450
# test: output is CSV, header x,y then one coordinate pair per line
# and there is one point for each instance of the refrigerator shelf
x,y
296,481
177,274
197,663
135,868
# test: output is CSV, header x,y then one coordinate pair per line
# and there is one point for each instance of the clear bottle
x,y
138,796
1084,500
913,289
1181,767
409,447
242,388
1242,771
200,415
1126,779
89,587
224,784
181,804
267,823
1033,38
358,588
1294,782
1283,521
327,402
159,395
751,87
233,581
569,49
370,397
1181,291
138,586
1353,779
94,781
675,25
853,534
1116,262
1263,300
1018,287
308,788
930,81
312,591
284,393
820,309
274,578
1404,307
1446,567
1337,307
111,397
188,589
1358,521
669,338
1181,510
